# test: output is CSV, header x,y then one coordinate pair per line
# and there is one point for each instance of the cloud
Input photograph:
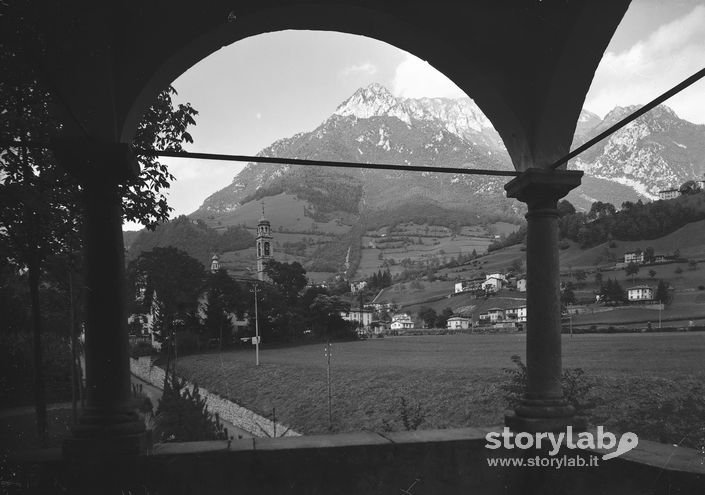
x,y
258,116
652,66
415,78
365,69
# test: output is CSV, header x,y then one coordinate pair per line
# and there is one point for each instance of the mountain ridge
x,y
640,157
656,151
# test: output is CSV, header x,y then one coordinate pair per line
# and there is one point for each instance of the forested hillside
x,y
192,236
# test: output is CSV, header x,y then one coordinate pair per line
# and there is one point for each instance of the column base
x,y
544,415
102,433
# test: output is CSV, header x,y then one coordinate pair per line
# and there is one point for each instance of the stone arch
x,y
527,64
527,69
349,19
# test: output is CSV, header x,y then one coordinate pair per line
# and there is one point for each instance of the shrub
x,y
182,415
409,413
701,287
577,387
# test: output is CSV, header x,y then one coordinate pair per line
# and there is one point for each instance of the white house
x,y
493,283
668,194
468,285
521,285
356,287
517,314
494,315
402,321
458,323
634,257
640,293
363,317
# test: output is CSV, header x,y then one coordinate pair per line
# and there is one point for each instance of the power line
x,y
407,168
328,163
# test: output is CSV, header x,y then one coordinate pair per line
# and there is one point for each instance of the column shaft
x,y
108,425
543,344
543,407
107,348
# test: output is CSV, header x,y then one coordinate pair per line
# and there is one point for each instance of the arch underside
x,y
527,64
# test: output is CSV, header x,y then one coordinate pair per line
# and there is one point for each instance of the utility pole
x,y
256,329
328,352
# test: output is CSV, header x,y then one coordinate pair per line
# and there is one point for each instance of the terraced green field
x,y
454,379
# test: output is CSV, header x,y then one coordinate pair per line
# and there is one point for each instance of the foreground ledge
x,y
433,461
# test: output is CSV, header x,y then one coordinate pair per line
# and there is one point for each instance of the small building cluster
x,y
492,283
402,321
503,317
640,293
640,257
674,192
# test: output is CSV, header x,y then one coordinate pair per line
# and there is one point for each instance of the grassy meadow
x,y
454,379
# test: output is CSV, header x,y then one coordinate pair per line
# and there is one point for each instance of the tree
x,y
612,292
601,210
567,297
632,269
663,295
172,282
40,204
183,416
326,319
652,273
689,187
429,316
565,208
442,319
289,278
224,296
649,254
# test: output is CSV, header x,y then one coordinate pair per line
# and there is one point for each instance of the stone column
x,y
543,407
107,425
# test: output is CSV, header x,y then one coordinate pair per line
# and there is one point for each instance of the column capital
x,y
541,188
91,161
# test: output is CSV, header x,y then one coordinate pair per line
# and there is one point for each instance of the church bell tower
x,y
264,244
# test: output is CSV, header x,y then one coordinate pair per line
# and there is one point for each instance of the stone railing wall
x,y
229,411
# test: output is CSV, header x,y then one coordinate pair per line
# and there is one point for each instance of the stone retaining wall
x,y
233,413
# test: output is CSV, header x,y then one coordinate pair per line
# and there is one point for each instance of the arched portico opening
x,y
527,66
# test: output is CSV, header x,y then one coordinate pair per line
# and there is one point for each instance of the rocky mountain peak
x,y
459,116
373,101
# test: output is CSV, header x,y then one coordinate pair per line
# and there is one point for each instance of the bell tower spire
x,y
265,251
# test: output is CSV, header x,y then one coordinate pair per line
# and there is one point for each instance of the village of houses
x,y
509,315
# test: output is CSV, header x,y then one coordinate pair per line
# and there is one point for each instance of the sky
x,y
271,86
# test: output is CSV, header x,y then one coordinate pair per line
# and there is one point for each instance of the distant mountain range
x,y
657,151
374,126
327,218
